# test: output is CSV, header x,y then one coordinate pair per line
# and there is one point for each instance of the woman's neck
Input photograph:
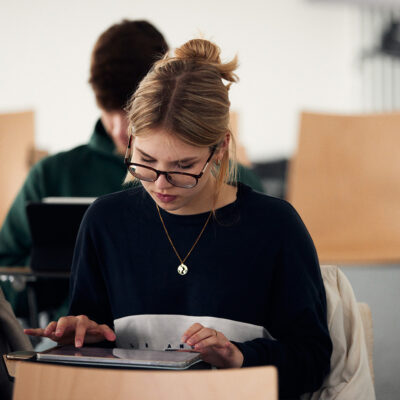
x,y
227,195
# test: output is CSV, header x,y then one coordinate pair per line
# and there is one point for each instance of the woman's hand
x,y
214,347
74,330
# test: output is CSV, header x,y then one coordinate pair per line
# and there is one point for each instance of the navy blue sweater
x,y
255,267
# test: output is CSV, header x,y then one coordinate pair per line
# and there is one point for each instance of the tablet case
x,y
97,356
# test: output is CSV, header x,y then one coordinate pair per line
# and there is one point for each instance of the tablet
x,y
97,356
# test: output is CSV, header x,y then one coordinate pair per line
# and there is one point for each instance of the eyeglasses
x,y
149,174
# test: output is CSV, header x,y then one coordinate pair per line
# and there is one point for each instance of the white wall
x,y
294,54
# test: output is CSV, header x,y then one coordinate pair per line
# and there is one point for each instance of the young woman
x,y
189,258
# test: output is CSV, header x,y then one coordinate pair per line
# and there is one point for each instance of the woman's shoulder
x,y
262,212
270,214
113,203
261,203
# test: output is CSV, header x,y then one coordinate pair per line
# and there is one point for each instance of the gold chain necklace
x,y
182,268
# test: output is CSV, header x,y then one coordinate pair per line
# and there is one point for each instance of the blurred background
x,y
327,56
294,55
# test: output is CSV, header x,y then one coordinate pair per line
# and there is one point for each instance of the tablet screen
x,y
120,357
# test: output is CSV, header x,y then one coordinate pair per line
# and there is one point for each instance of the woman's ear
x,y
223,147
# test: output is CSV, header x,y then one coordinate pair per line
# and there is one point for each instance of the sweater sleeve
x,y
15,237
301,347
88,292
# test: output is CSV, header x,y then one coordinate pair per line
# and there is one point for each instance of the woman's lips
x,y
165,198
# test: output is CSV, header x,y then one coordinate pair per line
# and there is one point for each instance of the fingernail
x,y
183,339
197,346
58,333
190,342
78,343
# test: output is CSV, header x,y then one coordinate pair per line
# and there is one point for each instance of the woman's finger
x,y
191,331
219,341
34,332
201,335
108,333
62,324
51,327
83,323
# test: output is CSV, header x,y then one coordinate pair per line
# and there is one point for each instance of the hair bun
x,y
209,53
199,49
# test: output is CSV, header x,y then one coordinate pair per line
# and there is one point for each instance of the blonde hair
x,y
185,95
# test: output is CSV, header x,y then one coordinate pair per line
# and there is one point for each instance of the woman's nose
x,y
162,182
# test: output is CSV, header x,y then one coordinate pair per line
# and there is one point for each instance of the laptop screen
x,y
54,226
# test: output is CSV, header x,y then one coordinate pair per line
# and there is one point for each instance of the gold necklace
x,y
182,268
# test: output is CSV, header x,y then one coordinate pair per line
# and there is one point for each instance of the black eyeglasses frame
x,y
167,174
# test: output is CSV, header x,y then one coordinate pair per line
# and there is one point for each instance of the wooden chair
x,y
38,381
16,145
344,182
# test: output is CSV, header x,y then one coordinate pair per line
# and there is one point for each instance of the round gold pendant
x,y
182,269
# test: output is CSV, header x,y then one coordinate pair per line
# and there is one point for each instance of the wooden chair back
x,y
16,145
38,381
344,181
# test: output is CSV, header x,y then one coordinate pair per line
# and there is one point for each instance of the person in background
x,y
121,57
191,257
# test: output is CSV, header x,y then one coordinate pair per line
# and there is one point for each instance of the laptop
x,y
54,225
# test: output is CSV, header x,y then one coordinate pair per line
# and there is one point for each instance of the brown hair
x,y
121,57
185,95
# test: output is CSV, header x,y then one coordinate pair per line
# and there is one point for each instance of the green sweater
x,y
89,170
